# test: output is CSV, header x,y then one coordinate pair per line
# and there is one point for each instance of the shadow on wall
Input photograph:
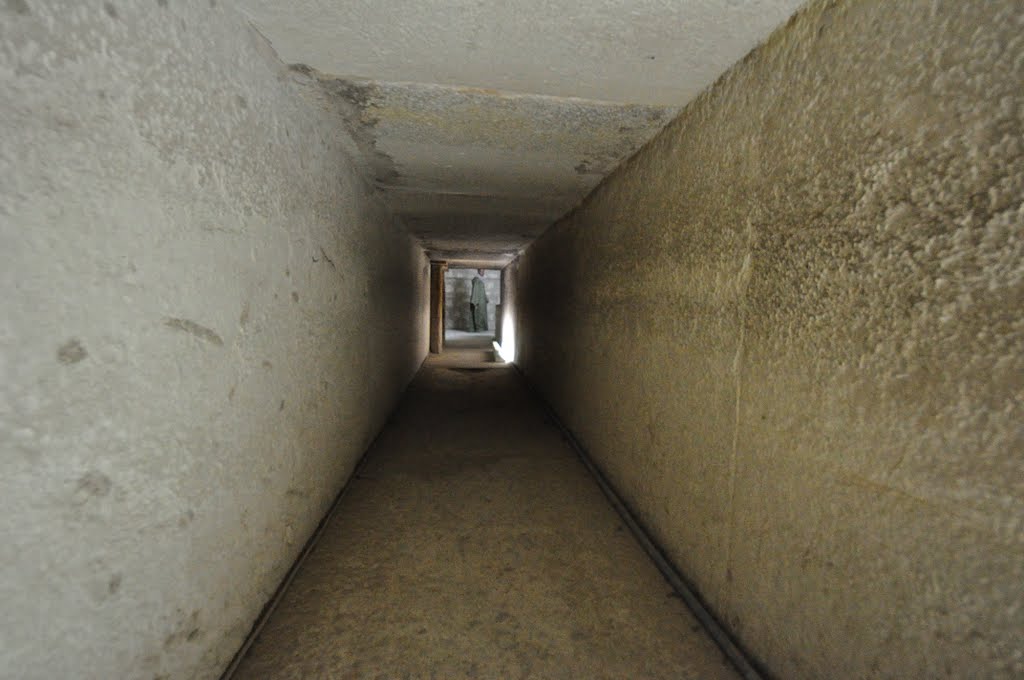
x,y
457,286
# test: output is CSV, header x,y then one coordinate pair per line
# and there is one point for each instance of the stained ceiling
x,y
482,122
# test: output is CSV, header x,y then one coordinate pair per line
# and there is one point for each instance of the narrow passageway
x,y
473,543
763,259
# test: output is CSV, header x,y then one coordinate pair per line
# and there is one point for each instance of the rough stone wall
x,y
206,318
790,332
458,283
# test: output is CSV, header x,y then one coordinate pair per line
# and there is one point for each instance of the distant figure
x,y
478,303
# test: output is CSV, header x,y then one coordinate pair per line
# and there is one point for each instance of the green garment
x,y
478,305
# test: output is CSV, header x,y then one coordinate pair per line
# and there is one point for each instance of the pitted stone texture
x,y
207,316
790,331
481,172
485,121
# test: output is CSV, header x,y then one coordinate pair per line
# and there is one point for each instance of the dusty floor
x,y
463,349
473,544
455,339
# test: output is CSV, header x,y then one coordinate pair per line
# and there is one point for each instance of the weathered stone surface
x,y
486,121
790,330
206,317
642,52
475,173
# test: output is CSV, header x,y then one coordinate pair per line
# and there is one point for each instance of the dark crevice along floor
x,y
474,544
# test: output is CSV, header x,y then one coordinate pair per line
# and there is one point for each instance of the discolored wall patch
x,y
71,352
194,329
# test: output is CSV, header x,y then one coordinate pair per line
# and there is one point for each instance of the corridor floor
x,y
474,544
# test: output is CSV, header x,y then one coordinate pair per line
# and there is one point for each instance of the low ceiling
x,y
482,122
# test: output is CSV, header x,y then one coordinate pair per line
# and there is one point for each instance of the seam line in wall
x,y
738,365
742,284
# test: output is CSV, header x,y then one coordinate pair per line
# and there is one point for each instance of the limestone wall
x,y
790,332
206,318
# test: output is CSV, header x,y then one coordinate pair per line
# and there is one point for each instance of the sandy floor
x,y
473,544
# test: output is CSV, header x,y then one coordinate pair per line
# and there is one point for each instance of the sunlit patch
x,y
507,349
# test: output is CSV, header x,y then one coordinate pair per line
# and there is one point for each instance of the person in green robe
x,y
478,303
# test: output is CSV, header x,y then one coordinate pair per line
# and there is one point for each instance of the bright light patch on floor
x,y
507,349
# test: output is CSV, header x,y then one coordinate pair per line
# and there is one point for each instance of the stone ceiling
x,y
483,122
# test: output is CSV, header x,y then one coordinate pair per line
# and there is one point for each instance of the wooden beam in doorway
x,y
437,270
